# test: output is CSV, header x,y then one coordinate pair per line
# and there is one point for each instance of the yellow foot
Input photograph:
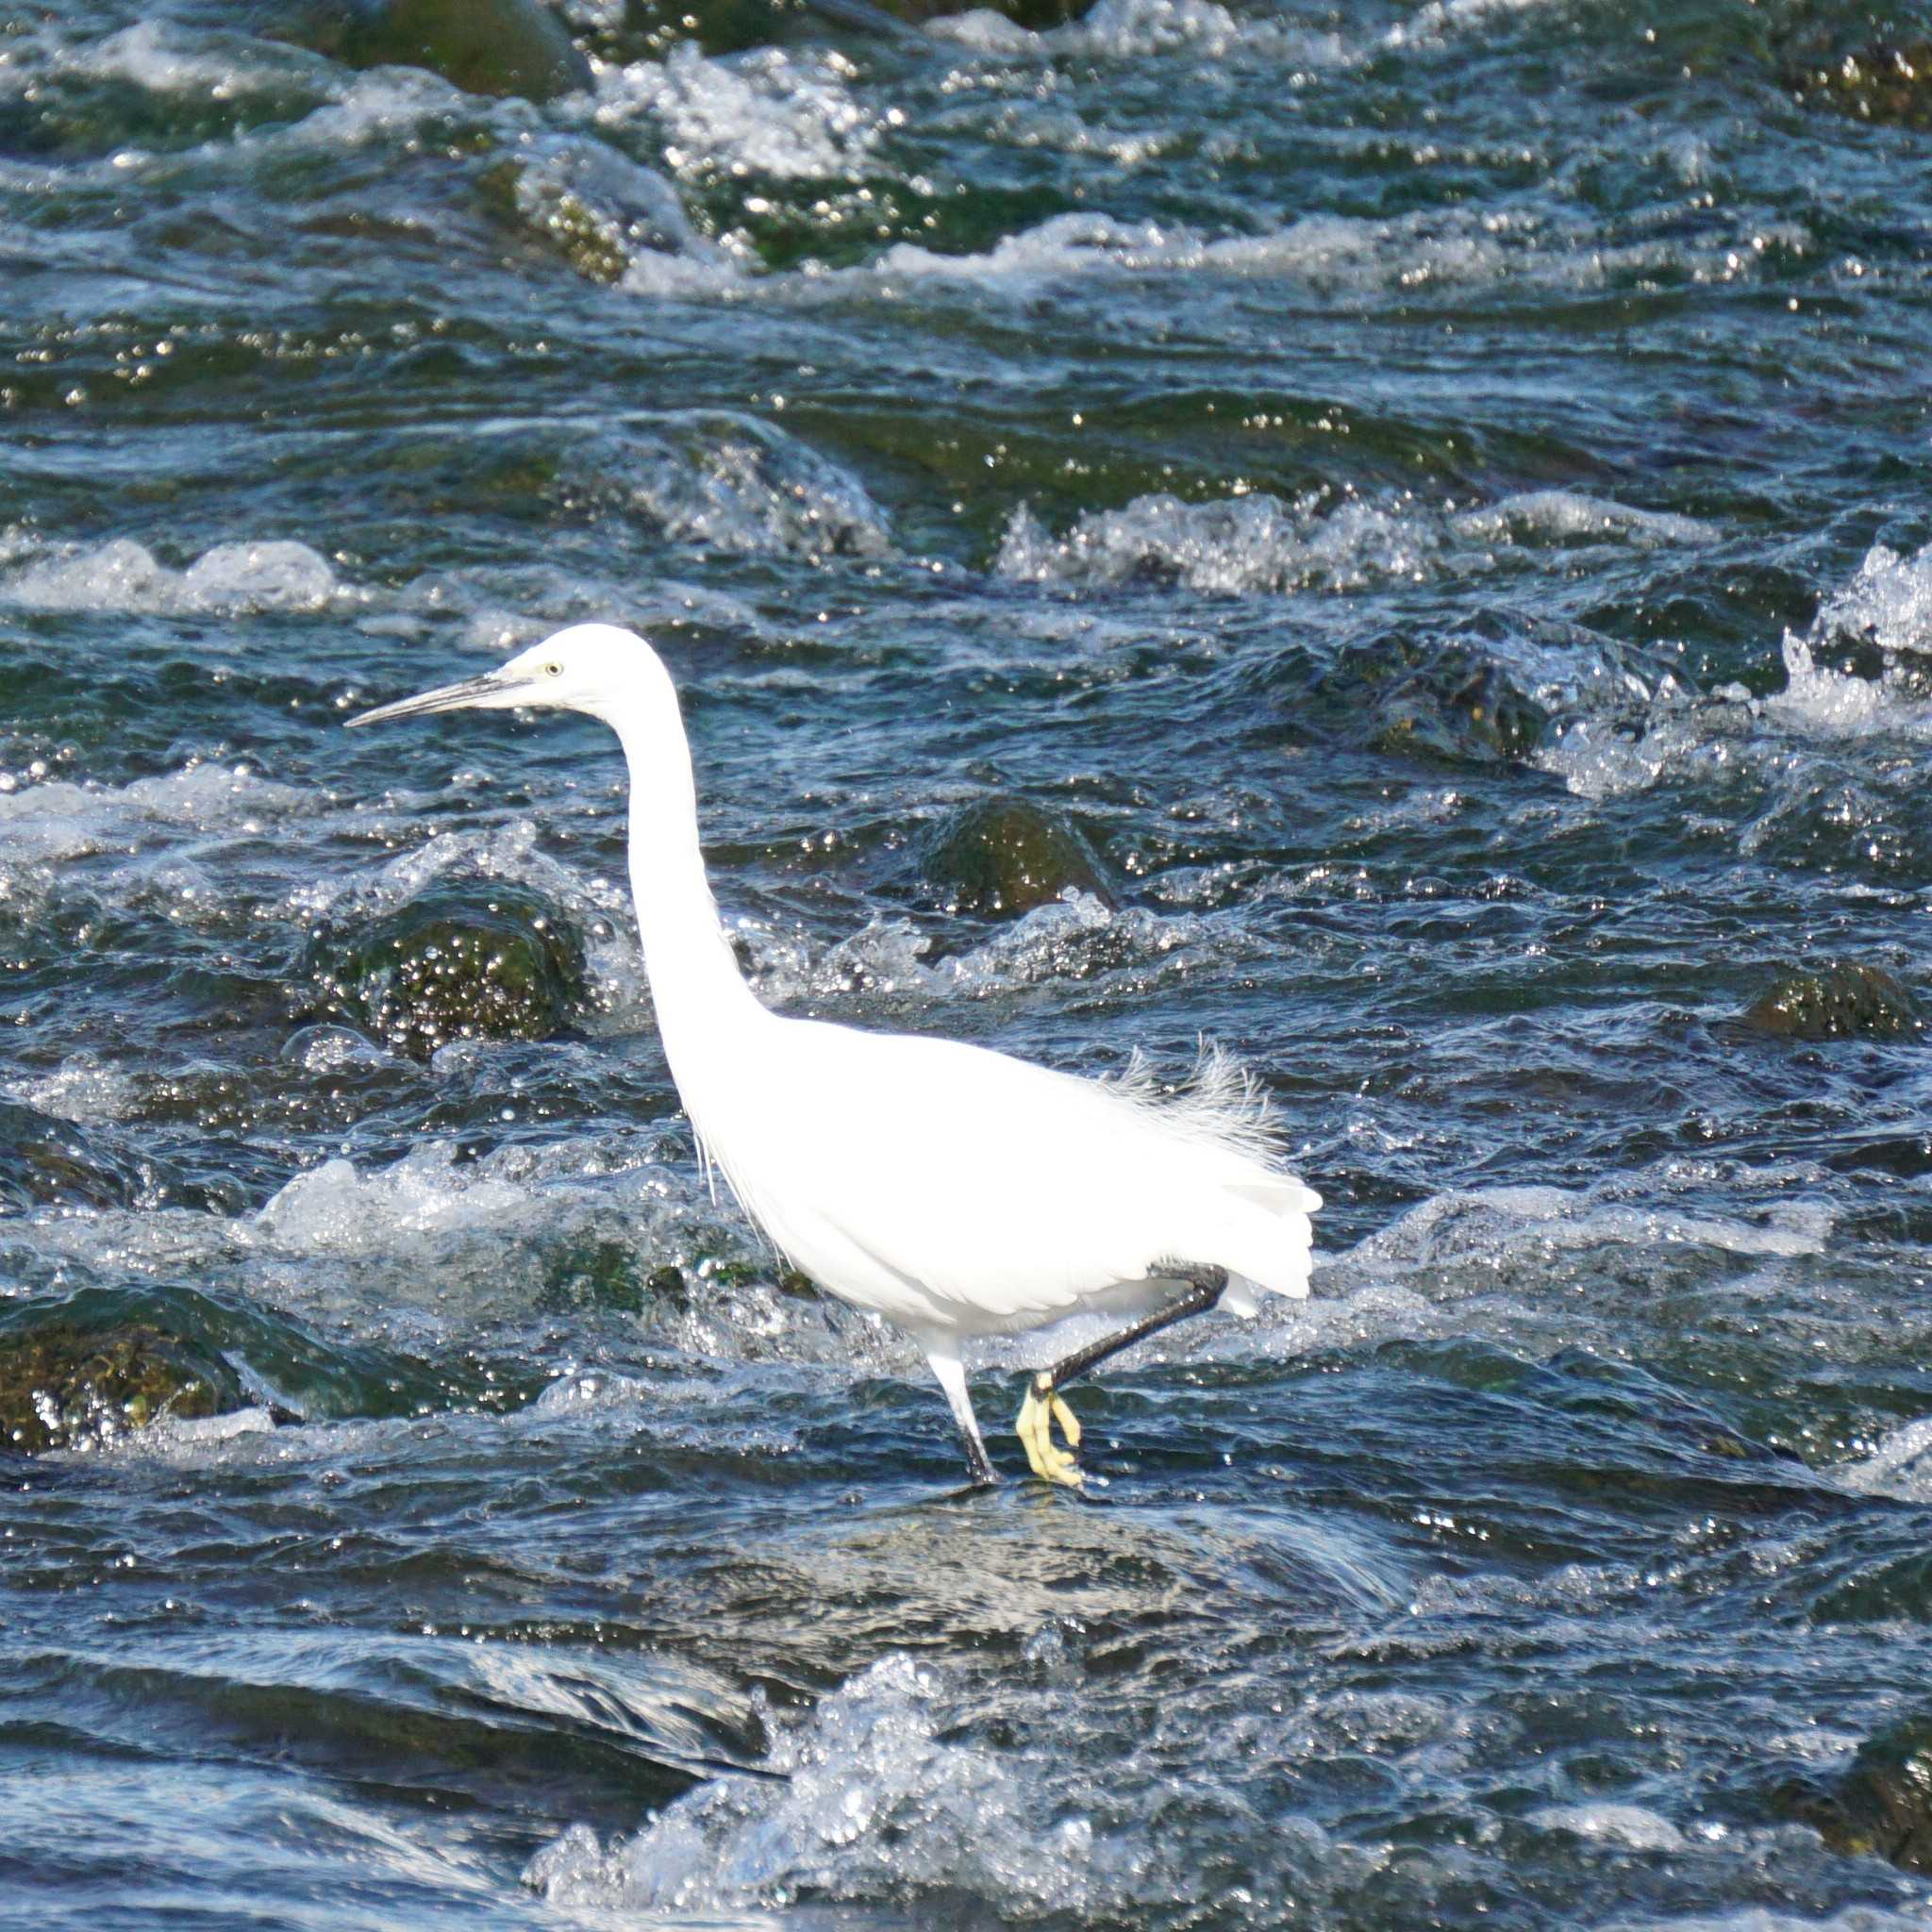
x,y
1043,1407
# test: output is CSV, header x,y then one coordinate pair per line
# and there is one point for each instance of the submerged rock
x,y
483,46
63,1386
1004,854
475,962
1840,1000
731,483
646,29
46,1161
1885,81
1882,1806
1458,705
598,210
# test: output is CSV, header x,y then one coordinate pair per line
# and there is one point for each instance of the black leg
x,y
1205,1287
985,1475
1045,1406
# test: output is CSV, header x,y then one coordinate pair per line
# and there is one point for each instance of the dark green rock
x,y
1004,854
470,962
1840,1000
483,46
1881,1806
64,1386
1460,707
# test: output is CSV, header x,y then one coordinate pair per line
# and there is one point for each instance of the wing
x,y
1007,1194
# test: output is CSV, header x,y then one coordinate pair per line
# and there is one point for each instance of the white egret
x,y
955,1190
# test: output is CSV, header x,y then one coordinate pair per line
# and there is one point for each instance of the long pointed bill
x,y
493,688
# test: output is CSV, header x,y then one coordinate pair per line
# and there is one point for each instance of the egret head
x,y
589,667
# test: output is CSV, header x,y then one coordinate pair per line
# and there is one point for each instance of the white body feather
x,y
960,1192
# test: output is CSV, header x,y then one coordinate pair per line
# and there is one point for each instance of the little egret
x,y
957,1192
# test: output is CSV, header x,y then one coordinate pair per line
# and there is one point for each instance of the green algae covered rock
x,y
1460,707
477,960
1839,1000
1881,1805
483,46
1006,855
65,1386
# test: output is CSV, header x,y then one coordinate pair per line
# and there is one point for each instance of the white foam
x,y
60,820
1343,257
1631,1826
875,1801
788,116
1077,935
1901,1465
1610,751
1822,702
334,1209
569,183
377,105
160,60
232,579
1624,1210
984,31
1131,29
1568,513
1888,600
1433,24
1257,542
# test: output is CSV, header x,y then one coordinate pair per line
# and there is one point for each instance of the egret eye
x,y
553,671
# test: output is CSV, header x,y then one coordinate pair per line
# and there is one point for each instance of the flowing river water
x,y
1397,538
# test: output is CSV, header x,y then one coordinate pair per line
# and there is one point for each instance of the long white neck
x,y
704,1006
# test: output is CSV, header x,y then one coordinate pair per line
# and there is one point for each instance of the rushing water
x,y
1430,507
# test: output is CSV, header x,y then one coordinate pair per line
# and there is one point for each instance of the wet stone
x,y
1841,1000
476,962
493,48
1882,1806
1458,707
1006,855
63,1386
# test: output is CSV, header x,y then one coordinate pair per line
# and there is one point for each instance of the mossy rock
x,y
64,1386
1458,707
1881,1805
1005,856
495,48
476,961
1840,1000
